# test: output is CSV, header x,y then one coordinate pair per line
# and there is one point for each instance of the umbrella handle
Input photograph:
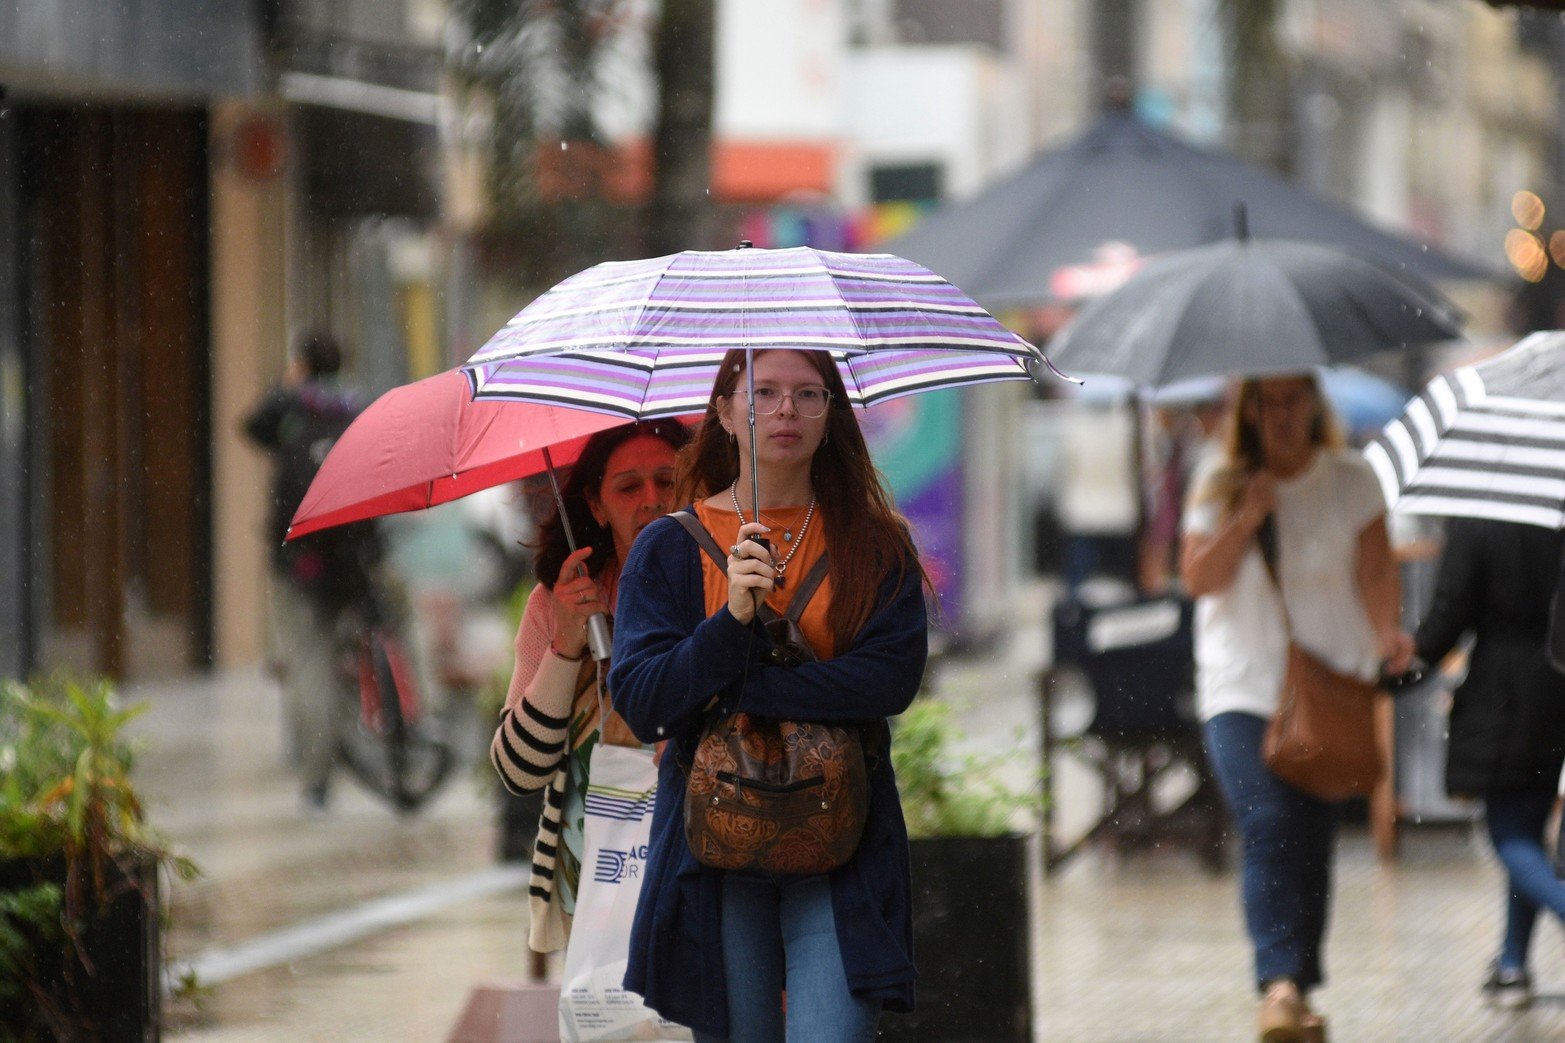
x,y
600,636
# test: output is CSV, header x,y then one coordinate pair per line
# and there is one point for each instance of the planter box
x,y
970,940
121,998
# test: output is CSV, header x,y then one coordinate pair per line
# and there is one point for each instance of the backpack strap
x,y
703,538
801,598
812,581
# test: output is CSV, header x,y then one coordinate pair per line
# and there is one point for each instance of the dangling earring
x,y
733,438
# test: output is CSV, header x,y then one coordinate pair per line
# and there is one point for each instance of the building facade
x,y
183,186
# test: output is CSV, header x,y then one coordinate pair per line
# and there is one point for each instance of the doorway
x,y
114,206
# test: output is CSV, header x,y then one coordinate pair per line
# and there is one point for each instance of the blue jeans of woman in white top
x,y
1288,838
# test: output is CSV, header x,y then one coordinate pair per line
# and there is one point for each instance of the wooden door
x,y
116,204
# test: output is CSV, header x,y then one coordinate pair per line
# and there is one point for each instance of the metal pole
x,y
600,636
755,475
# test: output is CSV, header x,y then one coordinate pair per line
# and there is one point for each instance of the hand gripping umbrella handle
x,y
600,635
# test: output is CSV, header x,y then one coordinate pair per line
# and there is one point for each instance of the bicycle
x,y
393,748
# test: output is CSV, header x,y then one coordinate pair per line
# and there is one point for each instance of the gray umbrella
x,y
1249,306
1121,181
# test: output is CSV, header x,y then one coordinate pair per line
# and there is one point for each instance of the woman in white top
x,y
1284,482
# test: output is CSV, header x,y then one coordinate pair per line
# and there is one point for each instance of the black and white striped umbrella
x,y
1483,441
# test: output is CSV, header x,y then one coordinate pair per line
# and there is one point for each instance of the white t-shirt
x,y
1241,639
1098,491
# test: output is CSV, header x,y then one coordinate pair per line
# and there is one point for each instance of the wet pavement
x,y
376,927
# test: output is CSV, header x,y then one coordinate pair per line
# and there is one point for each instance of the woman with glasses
x,y
713,949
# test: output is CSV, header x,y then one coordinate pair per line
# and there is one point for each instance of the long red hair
x,y
865,536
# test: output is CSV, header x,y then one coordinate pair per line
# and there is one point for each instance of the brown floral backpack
x,y
768,796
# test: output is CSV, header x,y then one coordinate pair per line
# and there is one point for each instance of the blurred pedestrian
x,y
1507,724
315,577
1099,495
1285,507
623,480
715,949
1186,433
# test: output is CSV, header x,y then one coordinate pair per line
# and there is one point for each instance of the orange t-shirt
x,y
724,527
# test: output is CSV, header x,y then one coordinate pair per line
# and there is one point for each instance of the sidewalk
x,y
1148,949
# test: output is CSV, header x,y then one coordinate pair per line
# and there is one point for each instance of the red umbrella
x,y
428,442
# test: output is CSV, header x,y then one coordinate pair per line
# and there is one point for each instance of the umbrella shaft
x,y
755,474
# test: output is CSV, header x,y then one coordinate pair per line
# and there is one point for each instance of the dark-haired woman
x,y
716,950
623,480
1285,537
1507,726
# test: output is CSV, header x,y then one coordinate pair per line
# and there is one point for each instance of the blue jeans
x,y
1288,838
1515,822
779,935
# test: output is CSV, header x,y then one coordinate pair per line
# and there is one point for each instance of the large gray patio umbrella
x,y
1252,307
1121,181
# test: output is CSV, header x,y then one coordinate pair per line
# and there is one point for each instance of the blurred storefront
x,y
105,537
183,187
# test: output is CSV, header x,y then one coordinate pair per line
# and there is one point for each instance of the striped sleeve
x,y
527,748
529,742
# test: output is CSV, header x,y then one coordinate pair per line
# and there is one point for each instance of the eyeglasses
x,y
808,402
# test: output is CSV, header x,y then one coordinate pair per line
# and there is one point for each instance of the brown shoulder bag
x,y
768,796
1322,738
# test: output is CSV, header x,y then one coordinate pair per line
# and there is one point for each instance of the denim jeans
x,y
779,935
1515,822
1288,839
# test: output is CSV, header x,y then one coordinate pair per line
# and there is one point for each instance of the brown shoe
x,y
1312,1028
1282,1014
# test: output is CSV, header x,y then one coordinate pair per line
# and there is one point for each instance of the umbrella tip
x,y
1241,222
1041,357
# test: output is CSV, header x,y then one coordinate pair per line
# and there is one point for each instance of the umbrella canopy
x,y
643,339
1121,184
1483,441
427,443
1249,306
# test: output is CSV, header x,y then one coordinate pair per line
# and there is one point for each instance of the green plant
x,y
29,919
66,800
66,787
949,794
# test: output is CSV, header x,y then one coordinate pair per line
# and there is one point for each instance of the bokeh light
x,y
1526,253
1557,247
1528,209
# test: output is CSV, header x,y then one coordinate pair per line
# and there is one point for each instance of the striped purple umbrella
x,y
644,338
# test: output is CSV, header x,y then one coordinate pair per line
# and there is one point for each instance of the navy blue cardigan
x,y
670,659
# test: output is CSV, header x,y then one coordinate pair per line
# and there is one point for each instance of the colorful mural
x,y
917,443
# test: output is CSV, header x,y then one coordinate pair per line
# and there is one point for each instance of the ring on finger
x,y
733,552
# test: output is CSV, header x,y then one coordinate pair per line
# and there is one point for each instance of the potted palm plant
x,y
969,864
79,908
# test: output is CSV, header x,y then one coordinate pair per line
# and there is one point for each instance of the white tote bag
x,y
621,788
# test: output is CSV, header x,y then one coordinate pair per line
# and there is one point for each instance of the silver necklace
x,y
787,535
